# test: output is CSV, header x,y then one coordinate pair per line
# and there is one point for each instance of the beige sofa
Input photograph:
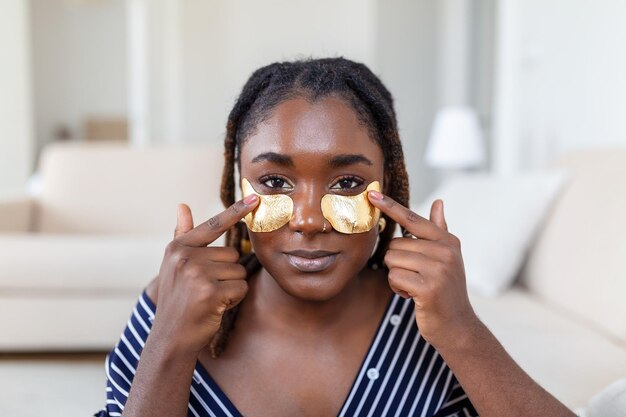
x,y
564,321
74,259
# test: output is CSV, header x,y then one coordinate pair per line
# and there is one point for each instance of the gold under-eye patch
x,y
351,214
346,214
272,212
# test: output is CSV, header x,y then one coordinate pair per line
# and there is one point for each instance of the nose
x,y
307,211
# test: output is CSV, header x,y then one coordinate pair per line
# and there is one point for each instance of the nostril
x,y
307,222
307,209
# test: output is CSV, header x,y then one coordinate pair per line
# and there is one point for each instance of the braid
x,y
258,81
314,79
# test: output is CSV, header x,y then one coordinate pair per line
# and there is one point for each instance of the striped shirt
x,y
401,375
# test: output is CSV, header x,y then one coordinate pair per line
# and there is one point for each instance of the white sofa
x,y
564,320
74,259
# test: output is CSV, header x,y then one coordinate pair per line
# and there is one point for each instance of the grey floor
x,y
51,385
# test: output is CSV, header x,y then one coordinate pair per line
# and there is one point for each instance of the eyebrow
x,y
348,159
279,159
336,161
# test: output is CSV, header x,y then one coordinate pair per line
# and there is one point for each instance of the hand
x,y
428,267
196,283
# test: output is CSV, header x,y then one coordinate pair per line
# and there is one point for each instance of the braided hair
x,y
312,79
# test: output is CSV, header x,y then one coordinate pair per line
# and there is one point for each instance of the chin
x,y
318,286
312,287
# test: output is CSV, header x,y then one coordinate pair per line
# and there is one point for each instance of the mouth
x,y
311,261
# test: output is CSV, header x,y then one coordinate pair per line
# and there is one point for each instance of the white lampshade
x,y
456,140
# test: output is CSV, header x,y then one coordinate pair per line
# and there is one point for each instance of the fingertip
x,y
251,200
179,212
375,195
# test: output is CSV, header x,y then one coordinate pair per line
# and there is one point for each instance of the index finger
x,y
415,224
207,232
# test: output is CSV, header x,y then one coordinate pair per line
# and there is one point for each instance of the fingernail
x,y
376,195
250,199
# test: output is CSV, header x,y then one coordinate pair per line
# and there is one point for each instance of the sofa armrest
x,y
16,213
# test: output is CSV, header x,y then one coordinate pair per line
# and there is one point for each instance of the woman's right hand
x,y
196,283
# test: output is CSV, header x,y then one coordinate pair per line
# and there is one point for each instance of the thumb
x,y
184,221
437,216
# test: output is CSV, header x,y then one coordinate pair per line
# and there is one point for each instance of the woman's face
x,y
306,150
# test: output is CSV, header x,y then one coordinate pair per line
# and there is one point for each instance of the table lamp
x,y
456,140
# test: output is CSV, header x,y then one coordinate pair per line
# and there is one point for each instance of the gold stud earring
x,y
382,223
246,246
244,243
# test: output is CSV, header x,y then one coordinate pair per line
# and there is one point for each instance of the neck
x,y
273,308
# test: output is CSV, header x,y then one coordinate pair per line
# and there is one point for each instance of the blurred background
x,y
544,77
108,106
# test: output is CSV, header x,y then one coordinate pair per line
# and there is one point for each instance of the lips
x,y
311,261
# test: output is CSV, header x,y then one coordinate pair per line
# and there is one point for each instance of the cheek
x,y
361,245
264,241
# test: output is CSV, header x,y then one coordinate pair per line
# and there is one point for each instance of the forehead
x,y
320,129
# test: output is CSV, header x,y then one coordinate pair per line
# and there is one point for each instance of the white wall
x,y
79,58
407,57
562,66
225,41
15,96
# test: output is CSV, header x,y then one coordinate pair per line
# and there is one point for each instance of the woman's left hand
x,y
428,267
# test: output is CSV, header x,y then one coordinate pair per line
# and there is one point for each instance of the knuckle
x,y
242,286
394,275
171,248
175,253
455,240
441,268
207,291
395,243
214,223
448,255
389,256
412,216
194,271
229,299
231,253
240,271
180,261
236,208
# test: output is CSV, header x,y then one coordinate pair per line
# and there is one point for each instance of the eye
x,y
347,184
275,183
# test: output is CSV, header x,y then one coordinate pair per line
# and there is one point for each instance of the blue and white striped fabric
x,y
401,375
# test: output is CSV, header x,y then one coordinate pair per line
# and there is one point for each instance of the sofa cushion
x,y
63,321
496,218
578,262
571,360
113,188
47,263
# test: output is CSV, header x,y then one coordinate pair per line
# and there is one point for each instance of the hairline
x,y
311,98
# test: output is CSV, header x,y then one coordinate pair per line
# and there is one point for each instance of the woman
x,y
317,320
